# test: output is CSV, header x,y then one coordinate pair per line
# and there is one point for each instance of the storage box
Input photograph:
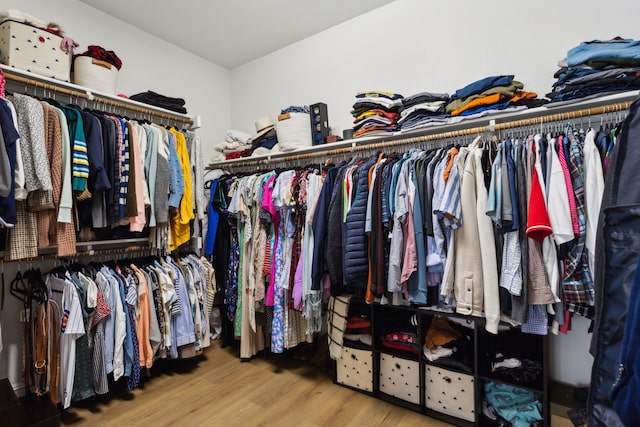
x,y
400,378
354,368
449,392
32,49
95,74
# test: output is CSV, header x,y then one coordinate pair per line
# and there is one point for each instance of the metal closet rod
x,y
97,252
97,98
535,121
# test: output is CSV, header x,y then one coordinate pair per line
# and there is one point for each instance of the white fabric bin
x,y
32,49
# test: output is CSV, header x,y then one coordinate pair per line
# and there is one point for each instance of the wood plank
x,y
218,389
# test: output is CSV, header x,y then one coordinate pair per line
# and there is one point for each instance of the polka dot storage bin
x,y
354,368
450,392
400,378
32,49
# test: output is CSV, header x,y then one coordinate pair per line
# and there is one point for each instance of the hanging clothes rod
x,y
90,252
385,144
88,95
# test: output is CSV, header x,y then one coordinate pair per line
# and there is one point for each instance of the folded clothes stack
x,y
375,112
490,95
236,144
358,329
597,67
402,340
422,110
448,344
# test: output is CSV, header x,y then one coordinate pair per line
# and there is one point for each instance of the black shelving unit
x,y
395,365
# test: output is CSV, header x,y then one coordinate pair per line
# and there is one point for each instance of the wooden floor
x,y
220,390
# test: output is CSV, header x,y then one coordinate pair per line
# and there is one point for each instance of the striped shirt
x,y
124,170
72,328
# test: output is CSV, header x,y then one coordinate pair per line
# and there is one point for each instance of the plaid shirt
x,y
23,238
577,284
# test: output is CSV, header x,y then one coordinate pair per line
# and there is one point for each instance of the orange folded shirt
x,y
479,102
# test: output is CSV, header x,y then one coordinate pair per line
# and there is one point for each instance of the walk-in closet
x,y
374,212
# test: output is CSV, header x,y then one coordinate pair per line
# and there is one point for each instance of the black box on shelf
x,y
319,123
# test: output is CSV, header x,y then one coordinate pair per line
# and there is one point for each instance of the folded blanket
x,y
238,135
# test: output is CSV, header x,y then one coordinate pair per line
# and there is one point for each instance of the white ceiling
x,y
233,32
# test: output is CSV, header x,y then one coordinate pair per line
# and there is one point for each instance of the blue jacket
x,y
333,250
355,254
319,227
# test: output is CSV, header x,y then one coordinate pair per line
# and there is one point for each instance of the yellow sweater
x,y
181,219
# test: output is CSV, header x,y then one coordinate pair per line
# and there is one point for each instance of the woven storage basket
x,y
294,131
95,74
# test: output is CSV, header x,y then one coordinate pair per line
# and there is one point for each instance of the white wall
x,y
411,46
149,63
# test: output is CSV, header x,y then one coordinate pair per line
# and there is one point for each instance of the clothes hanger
x,y
20,289
38,289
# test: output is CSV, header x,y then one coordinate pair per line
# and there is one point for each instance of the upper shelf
x,y
579,110
47,83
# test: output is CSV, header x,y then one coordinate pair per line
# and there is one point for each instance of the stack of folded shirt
x,y
375,112
422,110
358,329
598,67
490,95
236,144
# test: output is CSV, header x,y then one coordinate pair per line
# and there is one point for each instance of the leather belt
x,y
40,346
45,343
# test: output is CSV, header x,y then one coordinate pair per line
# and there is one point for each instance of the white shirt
x,y
593,191
120,328
72,328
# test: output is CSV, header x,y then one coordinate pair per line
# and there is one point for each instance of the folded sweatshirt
x,y
162,101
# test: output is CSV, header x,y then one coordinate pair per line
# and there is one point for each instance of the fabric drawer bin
x,y
95,74
450,392
354,368
400,378
32,49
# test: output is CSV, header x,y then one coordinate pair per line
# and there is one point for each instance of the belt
x,y
40,347
45,342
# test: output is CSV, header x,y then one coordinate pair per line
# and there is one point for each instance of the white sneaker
x,y
507,363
